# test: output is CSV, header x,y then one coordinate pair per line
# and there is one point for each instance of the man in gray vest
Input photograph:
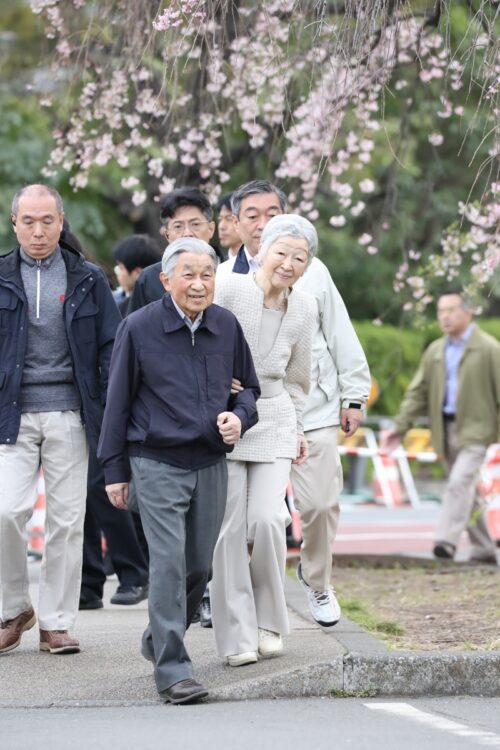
x,y
58,321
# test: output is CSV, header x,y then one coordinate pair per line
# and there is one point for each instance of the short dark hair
x,y
137,251
187,196
252,188
458,292
224,202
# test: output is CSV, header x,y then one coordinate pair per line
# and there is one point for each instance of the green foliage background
x,y
394,354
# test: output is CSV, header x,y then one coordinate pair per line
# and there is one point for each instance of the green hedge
x,y
393,355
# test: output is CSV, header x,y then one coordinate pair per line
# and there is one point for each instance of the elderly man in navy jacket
x,y
170,419
58,320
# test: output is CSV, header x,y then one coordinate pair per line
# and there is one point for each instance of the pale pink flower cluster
x,y
180,13
193,96
467,252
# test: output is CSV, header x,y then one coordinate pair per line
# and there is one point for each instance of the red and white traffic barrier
x,y
36,524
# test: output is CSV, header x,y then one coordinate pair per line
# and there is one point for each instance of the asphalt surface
x,y
310,723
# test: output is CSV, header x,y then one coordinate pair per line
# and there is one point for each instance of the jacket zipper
x,y
38,271
192,338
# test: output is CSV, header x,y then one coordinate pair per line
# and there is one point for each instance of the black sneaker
x,y
444,550
205,611
130,594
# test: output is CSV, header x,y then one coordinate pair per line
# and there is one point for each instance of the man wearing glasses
x,y
185,212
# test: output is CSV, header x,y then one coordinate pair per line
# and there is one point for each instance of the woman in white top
x,y
247,595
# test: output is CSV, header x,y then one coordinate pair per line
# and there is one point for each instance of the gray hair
x,y
252,188
185,245
37,190
289,225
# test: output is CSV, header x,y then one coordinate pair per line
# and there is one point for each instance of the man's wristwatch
x,y
354,406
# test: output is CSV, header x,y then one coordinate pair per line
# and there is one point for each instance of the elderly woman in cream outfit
x,y
247,595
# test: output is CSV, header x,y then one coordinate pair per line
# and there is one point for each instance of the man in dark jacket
x,y
170,420
185,212
57,325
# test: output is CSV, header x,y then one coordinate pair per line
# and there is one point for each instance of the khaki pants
x,y
317,484
56,441
247,590
462,507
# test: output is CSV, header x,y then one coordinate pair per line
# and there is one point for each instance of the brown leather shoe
x,y
185,691
12,630
58,642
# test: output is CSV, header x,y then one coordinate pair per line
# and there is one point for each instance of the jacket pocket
x,y
8,303
84,321
327,380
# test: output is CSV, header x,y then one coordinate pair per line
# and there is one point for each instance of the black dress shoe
x,y
185,691
205,611
90,600
130,594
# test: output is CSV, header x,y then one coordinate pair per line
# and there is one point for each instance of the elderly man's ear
x,y
165,281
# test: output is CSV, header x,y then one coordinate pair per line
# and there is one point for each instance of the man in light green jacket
x,y
457,385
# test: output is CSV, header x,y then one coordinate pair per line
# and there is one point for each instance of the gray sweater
x,y
47,383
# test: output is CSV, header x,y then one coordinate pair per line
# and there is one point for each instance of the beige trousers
x,y
247,590
317,484
462,507
56,441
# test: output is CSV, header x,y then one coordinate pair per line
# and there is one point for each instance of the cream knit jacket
x,y
280,417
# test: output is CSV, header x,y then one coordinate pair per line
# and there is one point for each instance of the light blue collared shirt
x,y
193,325
454,350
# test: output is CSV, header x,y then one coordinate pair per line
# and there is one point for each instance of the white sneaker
x,y
323,605
270,643
239,660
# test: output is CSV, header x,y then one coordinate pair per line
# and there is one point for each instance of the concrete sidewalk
x,y
347,661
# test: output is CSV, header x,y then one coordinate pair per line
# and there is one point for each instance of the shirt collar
x,y
46,262
463,339
191,323
253,263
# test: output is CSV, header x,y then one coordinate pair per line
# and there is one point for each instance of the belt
x,y
274,388
448,417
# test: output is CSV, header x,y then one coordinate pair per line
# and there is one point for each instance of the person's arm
x,y
298,370
495,374
123,377
415,401
108,320
343,345
243,403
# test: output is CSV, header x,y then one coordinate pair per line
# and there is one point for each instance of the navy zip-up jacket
x,y
91,318
167,386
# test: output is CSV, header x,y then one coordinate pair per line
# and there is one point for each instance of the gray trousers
x,y
182,512
462,507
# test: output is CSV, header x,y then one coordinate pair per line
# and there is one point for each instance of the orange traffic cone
x,y
36,531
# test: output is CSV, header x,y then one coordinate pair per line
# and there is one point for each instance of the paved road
x,y
311,724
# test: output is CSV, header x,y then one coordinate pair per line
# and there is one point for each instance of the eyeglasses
x,y
180,226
